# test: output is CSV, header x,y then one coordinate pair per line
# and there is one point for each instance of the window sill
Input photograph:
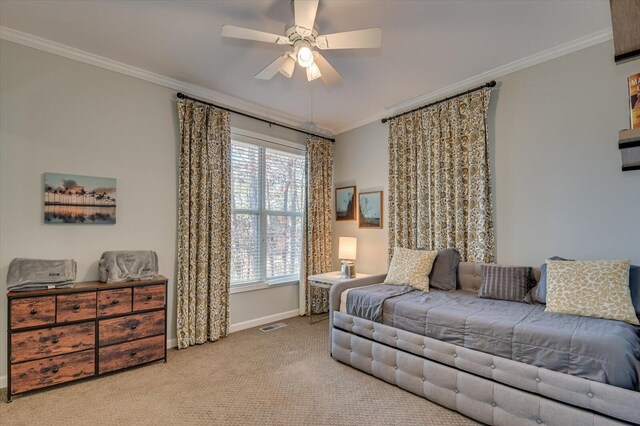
x,y
242,288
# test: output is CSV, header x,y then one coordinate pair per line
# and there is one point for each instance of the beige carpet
x,y
284,377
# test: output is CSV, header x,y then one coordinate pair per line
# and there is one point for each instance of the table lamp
x,y
346,254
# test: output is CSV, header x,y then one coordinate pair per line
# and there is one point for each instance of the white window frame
x,y
253,138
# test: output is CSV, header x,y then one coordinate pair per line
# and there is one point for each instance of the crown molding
x,y
201,92
501,71
273,115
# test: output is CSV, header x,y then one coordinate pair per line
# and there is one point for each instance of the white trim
x,y
3,384
262,321
501,71
172,343
260,285
259,137
191,89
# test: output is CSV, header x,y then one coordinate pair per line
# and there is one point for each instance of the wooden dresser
x,y
61,335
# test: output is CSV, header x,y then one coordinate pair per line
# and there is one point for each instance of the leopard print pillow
x,y
598,289
411,267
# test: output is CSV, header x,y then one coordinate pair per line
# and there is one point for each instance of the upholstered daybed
x,y
429,345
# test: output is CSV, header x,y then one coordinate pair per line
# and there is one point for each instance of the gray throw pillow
x,y
539,292
444,274
510,283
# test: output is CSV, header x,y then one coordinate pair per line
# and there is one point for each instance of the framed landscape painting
x,y
346,203
79,199
370,210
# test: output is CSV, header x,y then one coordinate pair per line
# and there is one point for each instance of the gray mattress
x,y
606,351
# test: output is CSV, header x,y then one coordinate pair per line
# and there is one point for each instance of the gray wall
x,y
557,184
60,115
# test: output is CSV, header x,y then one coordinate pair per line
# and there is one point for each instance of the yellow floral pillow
x,y
598,289
411,267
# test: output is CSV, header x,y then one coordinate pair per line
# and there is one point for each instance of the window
x,y
267,201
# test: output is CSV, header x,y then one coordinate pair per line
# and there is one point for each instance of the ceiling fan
x,y
302,34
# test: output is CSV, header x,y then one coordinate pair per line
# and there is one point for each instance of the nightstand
x,y
325,281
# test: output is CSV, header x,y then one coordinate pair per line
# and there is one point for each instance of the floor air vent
x,y
268,328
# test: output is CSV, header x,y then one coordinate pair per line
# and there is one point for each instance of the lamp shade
x,y
347,248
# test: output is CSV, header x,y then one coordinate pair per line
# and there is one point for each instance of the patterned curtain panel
x,y
204,224
439,180
316,256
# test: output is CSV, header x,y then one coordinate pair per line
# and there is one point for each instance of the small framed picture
x,y
346,203
370,210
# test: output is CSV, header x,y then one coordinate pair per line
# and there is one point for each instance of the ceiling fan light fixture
x,y
313,72
304,54
287,67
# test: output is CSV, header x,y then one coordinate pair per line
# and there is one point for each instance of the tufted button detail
x,y
493,404
395,367
456,390
455,355
539,421
423,346
493,366
538,379
424,379
590,395
372,359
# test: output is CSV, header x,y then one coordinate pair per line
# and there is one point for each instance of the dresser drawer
x,y
76,307
52,371
131,327
128,354
148,297
33,311
112,302
47,342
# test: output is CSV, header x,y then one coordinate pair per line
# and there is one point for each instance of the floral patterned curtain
x,y
316,256
204,224
439,179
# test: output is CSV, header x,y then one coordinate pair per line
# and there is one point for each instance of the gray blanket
x,y
33,274
603,350
117,266
367,301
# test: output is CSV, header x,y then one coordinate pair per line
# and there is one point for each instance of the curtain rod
x,y
492,83
181,95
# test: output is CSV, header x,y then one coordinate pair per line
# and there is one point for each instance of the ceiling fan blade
x,y
247,34
305,13
272,69
361,39
328,74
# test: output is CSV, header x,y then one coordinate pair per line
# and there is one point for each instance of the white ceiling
x,y
426,45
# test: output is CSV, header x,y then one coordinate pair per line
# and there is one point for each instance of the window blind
x,y
267,199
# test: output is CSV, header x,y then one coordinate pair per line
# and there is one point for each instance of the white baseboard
x,y
263,320
172,343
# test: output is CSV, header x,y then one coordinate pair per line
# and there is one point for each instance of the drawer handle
x,y
149,297
115,301
134,353
34,311
54,339
54,370
76,307
133,327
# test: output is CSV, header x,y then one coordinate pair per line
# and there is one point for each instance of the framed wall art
x,y
79,199
346,203
370,210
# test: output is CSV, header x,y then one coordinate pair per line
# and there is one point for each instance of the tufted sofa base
x,y
484,387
